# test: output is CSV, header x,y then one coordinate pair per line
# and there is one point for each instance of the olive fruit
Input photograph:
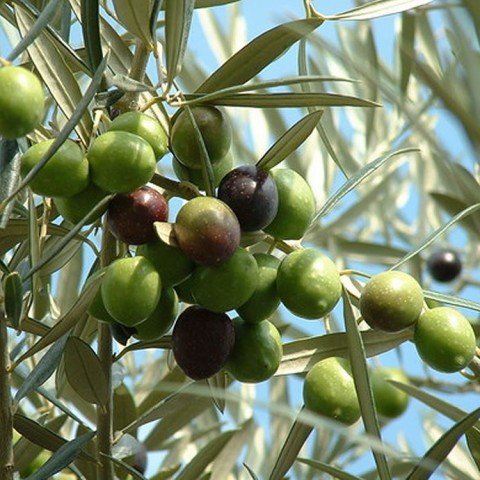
x,y
444,265
65,174
215,129
257,352
131,289
121,333
444,339
162,318
144,126
329,390
252,194
192,175
22,102
391,301
207,230
390,401
296,205
172,264
264,300
130,216
202,341
308,283
121,161
226,286
75,208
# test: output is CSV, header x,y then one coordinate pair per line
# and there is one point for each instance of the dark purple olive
x,y
444,265
252,194
131,215
202,342
121,333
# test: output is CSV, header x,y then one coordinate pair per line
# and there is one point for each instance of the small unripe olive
x,y
296,205
121,161
22,102
144,126
257,352
389,400
264,300
391,301
308,283
329,390
64,175
444,339
214,128
131,289
224,287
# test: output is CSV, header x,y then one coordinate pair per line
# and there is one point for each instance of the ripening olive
x,y
390,401
444,265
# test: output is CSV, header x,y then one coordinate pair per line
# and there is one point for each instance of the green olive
x,y
172,264
389,400
391,301
162,318
257,351
264,300
64,175
131,290
329,390
444,339
75,208
296,205
22,102
308,283
224,287
215,129
144,126
120,162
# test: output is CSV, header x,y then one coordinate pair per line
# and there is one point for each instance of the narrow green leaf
x,y
135,16
442,447
290,141
73,120
326,468
217,383
473,443
67,321
9,175
157,6
258,54
406,50
287,100
43,370
359,366
91,33
166,473
378,8
164,342
296,438
452,300
437,233
38,434
57,76
252,474
355,180
205,456
124,408
178,19
13,291
62,458
41,22
300,355
85,372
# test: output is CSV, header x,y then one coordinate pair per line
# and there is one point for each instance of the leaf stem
x,y
6,417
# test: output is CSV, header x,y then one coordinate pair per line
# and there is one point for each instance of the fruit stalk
x,y
105,412
6,418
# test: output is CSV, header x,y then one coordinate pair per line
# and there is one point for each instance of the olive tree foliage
x,y
362,130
